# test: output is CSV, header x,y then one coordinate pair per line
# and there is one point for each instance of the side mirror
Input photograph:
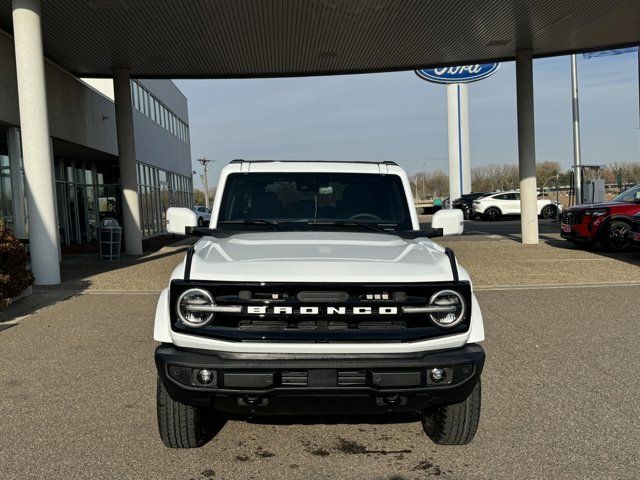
x,y
450,221
179,219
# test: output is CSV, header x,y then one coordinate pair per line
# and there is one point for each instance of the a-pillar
x,y
36,147
527,147
127,158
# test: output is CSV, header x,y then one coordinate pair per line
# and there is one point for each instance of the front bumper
x,y
315,384
576,233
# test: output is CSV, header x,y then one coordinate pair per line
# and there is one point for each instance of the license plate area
x,y
566,228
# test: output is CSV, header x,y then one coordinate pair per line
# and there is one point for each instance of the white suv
x,y
314,290
496,205
203,213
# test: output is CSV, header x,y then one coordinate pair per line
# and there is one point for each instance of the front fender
x,y
162,322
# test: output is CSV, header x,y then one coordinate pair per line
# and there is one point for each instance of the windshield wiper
x,y
272,225
346,223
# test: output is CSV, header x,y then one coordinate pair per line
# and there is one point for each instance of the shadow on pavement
x,y
75,268
76,273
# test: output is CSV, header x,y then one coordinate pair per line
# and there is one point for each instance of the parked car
x,y
203,213
314,290
495,205
606,223
465,202
635,230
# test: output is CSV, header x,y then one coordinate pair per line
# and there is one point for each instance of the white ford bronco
x,y
314,291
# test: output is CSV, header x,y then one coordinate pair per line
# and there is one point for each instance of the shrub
x,y
14,276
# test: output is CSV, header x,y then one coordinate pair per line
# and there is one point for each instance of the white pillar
x,y
577,171
464,138
17,191
459,152
527,147
127,159
34,124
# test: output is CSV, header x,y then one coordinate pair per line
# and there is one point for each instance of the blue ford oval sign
x,y
459,74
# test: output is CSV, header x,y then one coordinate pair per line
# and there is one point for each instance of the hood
x,y
319,257
585,206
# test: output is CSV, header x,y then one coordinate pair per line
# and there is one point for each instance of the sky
x,y
399,117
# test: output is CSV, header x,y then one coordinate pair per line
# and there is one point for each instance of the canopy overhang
x,y
274,38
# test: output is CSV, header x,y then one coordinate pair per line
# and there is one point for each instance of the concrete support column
x,y
34,124
17,190
127,157
459,151
527,147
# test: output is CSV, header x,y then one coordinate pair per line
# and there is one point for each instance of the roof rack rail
x,y
385,162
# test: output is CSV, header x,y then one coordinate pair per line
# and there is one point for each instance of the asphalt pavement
x,y
559,388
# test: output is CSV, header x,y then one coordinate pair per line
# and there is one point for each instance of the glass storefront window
x,y
83,199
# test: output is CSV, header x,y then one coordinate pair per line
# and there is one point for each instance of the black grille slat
x,y
352,378
294,379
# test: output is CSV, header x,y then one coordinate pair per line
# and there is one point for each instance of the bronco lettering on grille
x,y
279,310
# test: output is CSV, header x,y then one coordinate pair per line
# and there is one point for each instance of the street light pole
x,y
424,174
205,162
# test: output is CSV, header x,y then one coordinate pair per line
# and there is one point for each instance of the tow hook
x,y
252,401
392,400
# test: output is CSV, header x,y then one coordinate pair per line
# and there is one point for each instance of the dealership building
x,y
86,167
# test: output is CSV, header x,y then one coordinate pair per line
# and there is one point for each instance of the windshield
x,y
303,199
628,196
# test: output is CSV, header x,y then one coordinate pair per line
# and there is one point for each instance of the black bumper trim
x,y
263,383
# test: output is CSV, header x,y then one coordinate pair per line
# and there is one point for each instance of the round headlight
x,y
188,306
456,308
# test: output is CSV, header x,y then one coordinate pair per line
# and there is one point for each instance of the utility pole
x,y
205,162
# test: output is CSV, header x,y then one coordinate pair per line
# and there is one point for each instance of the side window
x,y
504,196
516,196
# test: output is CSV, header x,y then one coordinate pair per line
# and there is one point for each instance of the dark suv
x,y
608,223
465,202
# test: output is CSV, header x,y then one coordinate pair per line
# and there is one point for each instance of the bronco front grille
x,y
572,217
280,312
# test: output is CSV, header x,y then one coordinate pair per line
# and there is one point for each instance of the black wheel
x,y
454,424
200,222
550,211
491,214
617,236
184,426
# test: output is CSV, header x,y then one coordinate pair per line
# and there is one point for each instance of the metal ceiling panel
x,y
259,38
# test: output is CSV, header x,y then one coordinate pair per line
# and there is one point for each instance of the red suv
x,y
608,223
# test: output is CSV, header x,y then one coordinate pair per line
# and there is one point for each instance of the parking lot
x,y
560,383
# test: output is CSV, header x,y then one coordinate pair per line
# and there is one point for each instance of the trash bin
x,y
109,239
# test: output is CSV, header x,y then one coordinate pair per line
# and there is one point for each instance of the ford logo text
x,y
458,74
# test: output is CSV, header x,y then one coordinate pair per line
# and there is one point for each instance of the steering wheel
x,y
370,216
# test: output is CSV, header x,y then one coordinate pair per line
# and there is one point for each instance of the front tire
x,y
617,236
454,424
181,425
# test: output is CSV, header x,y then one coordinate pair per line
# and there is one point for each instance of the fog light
x,y
205,376
438,375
